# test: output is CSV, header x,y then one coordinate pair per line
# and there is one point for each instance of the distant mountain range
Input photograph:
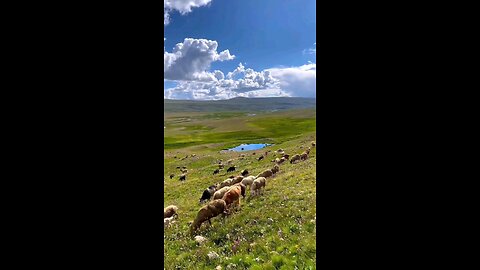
x,y
239,104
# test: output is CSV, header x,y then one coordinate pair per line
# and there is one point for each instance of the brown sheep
x,y
304,156
220,192
295,158
232,196
170,211
265,174
212,209
257,185
237,180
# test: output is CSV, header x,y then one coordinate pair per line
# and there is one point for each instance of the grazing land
x,y
274,230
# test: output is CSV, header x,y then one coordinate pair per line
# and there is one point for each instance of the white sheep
x,y
257,185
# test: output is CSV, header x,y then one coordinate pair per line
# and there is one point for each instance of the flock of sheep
x,y
224,197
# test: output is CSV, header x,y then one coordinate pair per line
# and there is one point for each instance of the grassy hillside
x,y
276,229
238,104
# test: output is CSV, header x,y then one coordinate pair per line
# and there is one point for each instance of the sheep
x,y
183,177
233,195
260,158
307,151
275,169
171,176
216,171
170,211
244,172
313,144
212,209
220,192
184,167
237,180
286,156
184,171
207,193
295,158
247,181
231,169
257,185
226,183
281,160
178,167
304,156
265,174
220,166
277,160
229,161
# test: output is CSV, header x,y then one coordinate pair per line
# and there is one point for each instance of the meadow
x,y
276,230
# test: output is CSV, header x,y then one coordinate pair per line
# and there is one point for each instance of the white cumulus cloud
x,y
191,60
182,6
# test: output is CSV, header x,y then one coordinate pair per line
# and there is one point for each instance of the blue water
x,y
249,147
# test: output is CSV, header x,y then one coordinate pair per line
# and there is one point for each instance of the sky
x,y
221,49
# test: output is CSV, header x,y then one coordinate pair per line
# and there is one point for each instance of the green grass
x,y
287,205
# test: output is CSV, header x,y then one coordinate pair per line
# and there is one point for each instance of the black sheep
x,y
216,171
260,158
231,169
171,176
207,194
183,177
244,172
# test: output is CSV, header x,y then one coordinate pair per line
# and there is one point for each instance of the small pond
x,y
249,147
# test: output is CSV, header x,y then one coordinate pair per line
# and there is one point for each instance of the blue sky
x,y
273,40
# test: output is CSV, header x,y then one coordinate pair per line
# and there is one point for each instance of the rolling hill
x,y
238,104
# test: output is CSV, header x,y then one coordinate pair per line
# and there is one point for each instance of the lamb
x,y
231,169
183,177
247,181
226,183
257,185
237,180
244,172
212,209
171,176
265,174
207,193
220,192
170,211
216,171
295,158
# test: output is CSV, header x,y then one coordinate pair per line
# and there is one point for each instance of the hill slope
x,y
276,230
238,104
